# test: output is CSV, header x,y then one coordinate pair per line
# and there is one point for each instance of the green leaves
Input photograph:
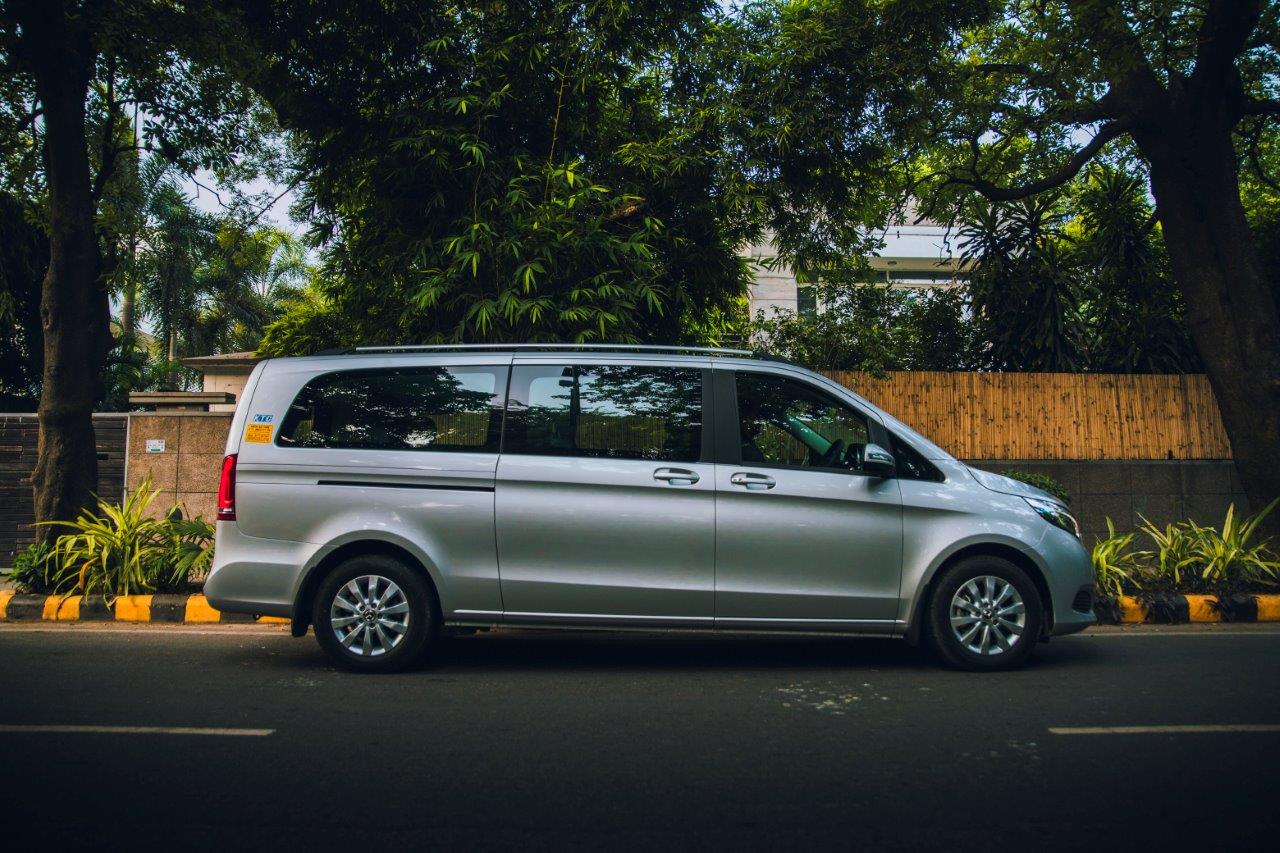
x,y
1189,557
1116,566
874,328
1076,279
520,185
122,549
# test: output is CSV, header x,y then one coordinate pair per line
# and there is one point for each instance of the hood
x,y
1009,486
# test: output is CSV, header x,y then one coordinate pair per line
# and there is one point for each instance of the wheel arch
x,y
336,554
1017,556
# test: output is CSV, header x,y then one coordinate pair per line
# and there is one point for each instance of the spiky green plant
x,y
1165,567
1116,566
190,549
120,549
1226,561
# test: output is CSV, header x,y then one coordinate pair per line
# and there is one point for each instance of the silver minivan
x,y
383,495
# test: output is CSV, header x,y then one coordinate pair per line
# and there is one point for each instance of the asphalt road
x,y
551,741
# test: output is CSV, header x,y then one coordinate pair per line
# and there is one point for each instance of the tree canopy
x,y
500,171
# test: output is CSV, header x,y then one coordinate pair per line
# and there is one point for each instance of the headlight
x,y
1055,514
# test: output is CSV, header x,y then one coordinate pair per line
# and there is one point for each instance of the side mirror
x,y
878,462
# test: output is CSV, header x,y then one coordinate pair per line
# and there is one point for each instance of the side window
x,y
615,412
455,409
785,422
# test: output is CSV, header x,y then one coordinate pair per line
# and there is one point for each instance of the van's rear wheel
x,y
985,613
372,613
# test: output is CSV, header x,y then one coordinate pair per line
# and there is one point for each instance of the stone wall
x,y
1161,491
186,472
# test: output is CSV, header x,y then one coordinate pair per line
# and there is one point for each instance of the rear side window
x,y
614,412
456,409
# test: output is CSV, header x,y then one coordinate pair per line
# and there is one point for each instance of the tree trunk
x,y
128,299
171,357
74,310
1231,309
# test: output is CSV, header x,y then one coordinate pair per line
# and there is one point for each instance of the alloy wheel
x,y
369,615
988,615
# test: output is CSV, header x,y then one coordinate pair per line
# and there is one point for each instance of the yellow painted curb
x,y
1268,608
133,608
1200,608
5,595
59,609
274,620
199,610
1132,610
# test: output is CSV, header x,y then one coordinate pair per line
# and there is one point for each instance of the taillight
x,y
227,490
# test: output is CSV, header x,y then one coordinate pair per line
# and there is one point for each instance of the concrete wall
x,y
1161,491
187,471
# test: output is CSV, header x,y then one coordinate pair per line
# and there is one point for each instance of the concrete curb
x,y
1179,608
174,608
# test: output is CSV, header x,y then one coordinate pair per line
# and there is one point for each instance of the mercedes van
x,y
382,495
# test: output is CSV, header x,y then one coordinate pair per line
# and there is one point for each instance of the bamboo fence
x,y
1053,415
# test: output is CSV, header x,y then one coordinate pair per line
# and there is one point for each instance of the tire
x,y
965,592
376,640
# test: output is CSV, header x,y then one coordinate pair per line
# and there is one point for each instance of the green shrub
x,y
32,570
1166,568
120,550
1187,557
1225,562
1116,566
1041,481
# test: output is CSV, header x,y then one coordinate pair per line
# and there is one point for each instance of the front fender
x,y
912,607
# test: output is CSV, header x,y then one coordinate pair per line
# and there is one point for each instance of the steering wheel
x,y
831,458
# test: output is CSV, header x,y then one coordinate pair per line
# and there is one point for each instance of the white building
x,y
913,256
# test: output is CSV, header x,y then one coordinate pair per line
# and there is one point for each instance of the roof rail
x,y
656,348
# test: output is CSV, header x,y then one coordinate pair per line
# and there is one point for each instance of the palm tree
x,y
1024,287
246,281
178,242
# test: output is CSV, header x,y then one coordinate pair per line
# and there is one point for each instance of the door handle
x,y
753,482
676,476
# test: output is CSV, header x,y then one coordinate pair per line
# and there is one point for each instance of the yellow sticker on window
x,y
258,433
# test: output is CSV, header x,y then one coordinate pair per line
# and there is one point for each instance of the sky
x,y
203,192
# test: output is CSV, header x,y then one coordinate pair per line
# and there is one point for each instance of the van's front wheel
x,y
373,614
985,614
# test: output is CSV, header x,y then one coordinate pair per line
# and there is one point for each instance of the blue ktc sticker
x,y
263,419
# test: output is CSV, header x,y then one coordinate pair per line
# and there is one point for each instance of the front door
x,y
803,537
606,496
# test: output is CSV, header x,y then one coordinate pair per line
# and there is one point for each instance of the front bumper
x,y
1068,571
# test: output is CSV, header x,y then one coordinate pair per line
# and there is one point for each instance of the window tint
x,y
404,408
786,422
615,412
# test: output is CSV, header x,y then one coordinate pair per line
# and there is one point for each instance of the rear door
x,y
606,493
402,449
803,537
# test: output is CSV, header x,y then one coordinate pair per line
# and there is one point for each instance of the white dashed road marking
x,y
1163,730
135,730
